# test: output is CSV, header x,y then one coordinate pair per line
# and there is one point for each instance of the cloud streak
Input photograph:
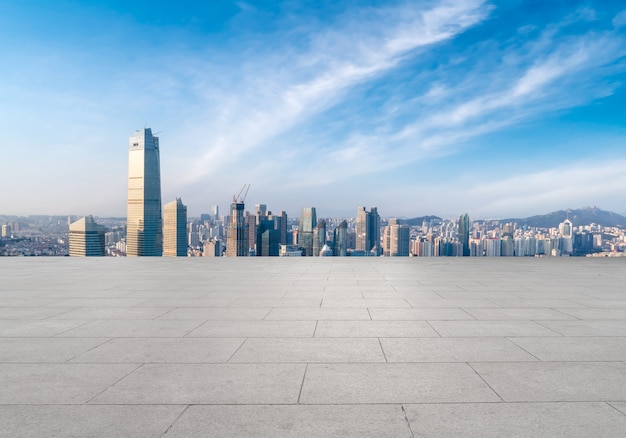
x,y
296,89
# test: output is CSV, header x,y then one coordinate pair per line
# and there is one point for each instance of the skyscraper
x,y
237,234
319,237
340,240
396,239
308,220
175,229
464,226
86,238
144,230
368,231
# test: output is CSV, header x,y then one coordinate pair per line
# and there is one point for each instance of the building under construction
x,y
237,230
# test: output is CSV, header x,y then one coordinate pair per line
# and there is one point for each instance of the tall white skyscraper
x,y
144,230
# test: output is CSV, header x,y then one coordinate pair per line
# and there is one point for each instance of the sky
x,y
495,108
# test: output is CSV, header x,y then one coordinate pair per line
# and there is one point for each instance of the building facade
x,y
144,230
237,231
368,231
175,229
308,221
86,238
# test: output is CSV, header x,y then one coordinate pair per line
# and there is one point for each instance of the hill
x,y
417,221
578,217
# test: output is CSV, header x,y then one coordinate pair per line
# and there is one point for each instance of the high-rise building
x,y
6,230
280,224
368,231
144,231
308,220
396,239
212,248
268,239
86,238
175,229
340,239
237,233
566,228
319,237
464,233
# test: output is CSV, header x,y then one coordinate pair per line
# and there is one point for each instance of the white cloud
x,y
280,93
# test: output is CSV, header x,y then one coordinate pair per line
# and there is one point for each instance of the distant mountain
x,y
578,217
417,221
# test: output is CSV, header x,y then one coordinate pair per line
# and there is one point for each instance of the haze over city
x,y
499,109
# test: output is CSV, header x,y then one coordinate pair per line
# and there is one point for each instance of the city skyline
x,y
498,109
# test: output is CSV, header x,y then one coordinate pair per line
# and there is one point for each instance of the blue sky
x,y
495,108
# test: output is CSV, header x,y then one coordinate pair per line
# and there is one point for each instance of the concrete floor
x,y
362,347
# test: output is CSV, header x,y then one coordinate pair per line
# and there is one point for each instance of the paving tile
x,y
519,303
261,329
603,314
490,328
452,350
430,314
86,421
613,303
517,314
309,350
111,313
219,314
620,406
162,350
337,302
371,329
273,302
564,348
319,294
317,314
44,350
555,381
30,312
57,383
586,327
98,302
208,384
393,383
26,301
36,328
292,421
515,420
457,303
132,329
186,302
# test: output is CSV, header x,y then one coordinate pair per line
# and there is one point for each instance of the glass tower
x,y
144,222
308,220
464,232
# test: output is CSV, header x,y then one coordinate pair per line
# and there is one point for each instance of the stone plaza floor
x,y
272,347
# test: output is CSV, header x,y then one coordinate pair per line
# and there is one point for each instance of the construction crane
x,y
240,197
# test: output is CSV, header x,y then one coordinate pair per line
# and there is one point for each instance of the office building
x,y
86,238
175,229
212,248
144,230
319,237
340,239
237,231
308,220
268,239
368,231
464,234
396,239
